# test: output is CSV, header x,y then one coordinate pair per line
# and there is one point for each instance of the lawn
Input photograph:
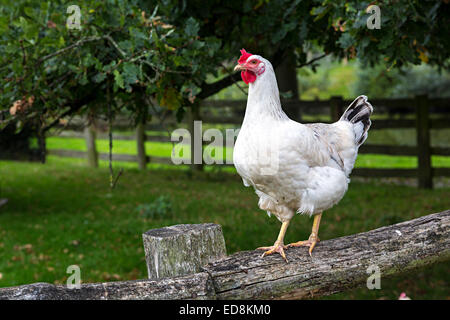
x,y
63,213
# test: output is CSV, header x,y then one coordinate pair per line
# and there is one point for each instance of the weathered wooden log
x,y
336,265
182,249
195,286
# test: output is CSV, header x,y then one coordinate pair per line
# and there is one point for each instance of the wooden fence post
x,y
140,141
336,108
92,154
182,249
196,138
425,176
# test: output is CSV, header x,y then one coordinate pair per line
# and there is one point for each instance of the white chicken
x,y
294,167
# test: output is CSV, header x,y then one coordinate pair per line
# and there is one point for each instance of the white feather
x,y
293,167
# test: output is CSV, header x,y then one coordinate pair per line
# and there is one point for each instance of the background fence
x,y
419,113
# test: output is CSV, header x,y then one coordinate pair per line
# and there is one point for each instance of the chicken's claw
x,y
311,243
276,248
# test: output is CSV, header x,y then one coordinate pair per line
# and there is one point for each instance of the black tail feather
x,y
359,111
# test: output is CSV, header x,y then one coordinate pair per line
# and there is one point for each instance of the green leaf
x,y
154,37
99,77
170,99
130,74
346,40
192,27
118,79
84,80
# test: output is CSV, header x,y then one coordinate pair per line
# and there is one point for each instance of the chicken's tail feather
x,y
359,113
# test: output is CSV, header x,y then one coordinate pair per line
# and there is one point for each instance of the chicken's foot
x,y
278,246
313,238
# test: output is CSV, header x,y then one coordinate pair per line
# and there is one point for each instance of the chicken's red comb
x,y
244,56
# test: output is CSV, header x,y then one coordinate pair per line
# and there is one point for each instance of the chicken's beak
x,y
239,67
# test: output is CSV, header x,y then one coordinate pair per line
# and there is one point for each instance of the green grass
x,y
63,213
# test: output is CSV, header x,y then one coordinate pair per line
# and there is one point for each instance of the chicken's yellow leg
x,y
278,246
313,238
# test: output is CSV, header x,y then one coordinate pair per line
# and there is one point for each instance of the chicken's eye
x,y
254,62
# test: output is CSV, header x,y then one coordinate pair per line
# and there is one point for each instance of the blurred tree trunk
x,y
91,148
140,142
18,145
286,74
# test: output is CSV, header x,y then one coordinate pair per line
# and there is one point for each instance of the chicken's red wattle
x,y
248,76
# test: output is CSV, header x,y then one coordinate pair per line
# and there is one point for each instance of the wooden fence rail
x,y
423,109
189,262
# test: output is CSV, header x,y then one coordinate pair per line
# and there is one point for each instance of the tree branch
x,y
312,60
74,107
209,89
115,45
73,45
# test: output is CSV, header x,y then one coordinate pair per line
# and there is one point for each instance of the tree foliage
x,y
129,54
376,82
